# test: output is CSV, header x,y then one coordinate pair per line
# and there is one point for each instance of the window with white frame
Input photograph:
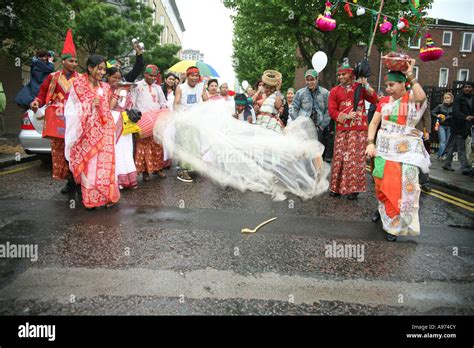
x,y
447,38
463,75
443,77
415,72
154,13
416,44
466,45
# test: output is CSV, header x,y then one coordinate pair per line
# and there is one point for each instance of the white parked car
x,y
31,135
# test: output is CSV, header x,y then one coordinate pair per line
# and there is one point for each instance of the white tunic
x,y
190,96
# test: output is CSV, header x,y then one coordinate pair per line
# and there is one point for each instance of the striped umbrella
x,y
204,69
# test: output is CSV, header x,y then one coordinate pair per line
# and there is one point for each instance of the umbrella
x,y
204,69
362,69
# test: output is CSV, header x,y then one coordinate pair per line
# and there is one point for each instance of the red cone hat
x,y
69,50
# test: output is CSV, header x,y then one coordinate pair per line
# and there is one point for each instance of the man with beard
x,y
348,165
189,94
54,92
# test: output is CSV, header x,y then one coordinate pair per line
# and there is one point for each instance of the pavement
x,y
11,153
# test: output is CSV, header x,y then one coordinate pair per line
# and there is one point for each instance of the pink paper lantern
x,y
326,23
430,51
386,26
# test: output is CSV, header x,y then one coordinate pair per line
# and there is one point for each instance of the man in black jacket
x,y
463,114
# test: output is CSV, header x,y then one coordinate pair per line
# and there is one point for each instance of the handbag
x,y
129,127
134,115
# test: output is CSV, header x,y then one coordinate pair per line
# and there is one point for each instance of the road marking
x,y
19,169
471,209
57,284
453,198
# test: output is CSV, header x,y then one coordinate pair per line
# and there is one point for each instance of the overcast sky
x,y
209,28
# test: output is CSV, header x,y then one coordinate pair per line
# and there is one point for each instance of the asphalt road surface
x,y
173,248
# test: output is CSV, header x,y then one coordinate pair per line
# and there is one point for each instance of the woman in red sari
x,y
90,136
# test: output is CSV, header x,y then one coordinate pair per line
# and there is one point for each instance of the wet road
x,y
175,248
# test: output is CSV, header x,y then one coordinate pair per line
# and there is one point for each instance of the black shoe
x,y
375,216
426,187
390,237
467,172
352,196
70,187
448,168
334,194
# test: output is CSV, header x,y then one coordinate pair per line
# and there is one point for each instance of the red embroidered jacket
x,y
341,101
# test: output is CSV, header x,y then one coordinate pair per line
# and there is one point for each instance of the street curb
x,y
447,185
8,162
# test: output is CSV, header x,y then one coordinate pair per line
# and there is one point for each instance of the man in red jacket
x,y
348,165
54,92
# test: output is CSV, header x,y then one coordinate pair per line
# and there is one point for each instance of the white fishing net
x,y
235,153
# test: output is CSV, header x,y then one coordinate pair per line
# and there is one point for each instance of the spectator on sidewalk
x,y
41,66
443,114
424,125
463,114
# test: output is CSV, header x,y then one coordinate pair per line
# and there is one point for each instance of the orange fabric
x,y
389,189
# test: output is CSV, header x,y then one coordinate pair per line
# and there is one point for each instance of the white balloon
x,y
320,60
245,85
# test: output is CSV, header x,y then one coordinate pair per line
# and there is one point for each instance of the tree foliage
x,y
98,27
268,33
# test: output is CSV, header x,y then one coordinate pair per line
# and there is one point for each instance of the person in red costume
x,y
348,165
54,92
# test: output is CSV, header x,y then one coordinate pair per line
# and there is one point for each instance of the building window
x,y
463,75
154,13
417,45
415,71
466,45
172,38
162,20
447,38
165,33
443,77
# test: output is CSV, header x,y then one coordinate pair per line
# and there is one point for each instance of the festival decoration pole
x,y
375,28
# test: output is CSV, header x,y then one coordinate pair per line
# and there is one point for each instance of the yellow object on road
x,y
248,230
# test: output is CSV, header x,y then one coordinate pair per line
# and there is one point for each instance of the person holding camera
x,y
312,101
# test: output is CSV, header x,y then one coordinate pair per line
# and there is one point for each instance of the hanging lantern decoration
x,y
347,8
386,26
326,23
403,25
360,11
430,51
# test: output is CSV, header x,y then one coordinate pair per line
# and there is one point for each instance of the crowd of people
x,y
91,119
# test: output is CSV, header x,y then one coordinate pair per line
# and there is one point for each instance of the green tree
x,y
260,24
98,27
26,26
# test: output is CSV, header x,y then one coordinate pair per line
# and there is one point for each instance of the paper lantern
x,y
360,11
386,26
326,23
430,51
403,25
